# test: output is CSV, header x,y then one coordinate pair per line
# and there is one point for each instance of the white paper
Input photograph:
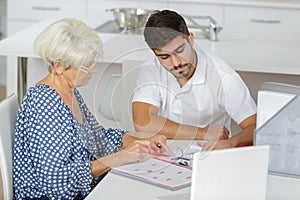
x,y
158,172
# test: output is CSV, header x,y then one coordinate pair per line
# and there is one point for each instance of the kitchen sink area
x,y
133,20
112,27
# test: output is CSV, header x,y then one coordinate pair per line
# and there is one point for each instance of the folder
x,y
156,171
281,131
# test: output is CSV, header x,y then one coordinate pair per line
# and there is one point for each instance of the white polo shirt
x,y
213,95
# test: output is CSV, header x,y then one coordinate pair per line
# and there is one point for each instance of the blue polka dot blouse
x,y
52,150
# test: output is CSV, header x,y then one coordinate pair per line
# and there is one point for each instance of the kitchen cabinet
x,y
200,9
21,14
261,22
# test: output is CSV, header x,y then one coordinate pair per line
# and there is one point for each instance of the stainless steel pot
x,y
130,18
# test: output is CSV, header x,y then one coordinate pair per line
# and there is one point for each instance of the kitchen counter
x,y
267,56
245,55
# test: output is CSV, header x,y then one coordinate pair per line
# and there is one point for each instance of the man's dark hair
x,y
162,27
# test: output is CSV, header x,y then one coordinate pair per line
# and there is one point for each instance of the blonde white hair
x,y
69,41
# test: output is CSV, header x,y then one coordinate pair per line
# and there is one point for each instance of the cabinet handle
x,y
266,21
46,8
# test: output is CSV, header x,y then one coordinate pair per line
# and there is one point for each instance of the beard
x,y
182,74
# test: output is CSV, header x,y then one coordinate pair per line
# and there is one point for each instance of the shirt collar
x,y
199,75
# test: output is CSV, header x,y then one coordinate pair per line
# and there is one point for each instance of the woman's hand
x,y
138,150
135,152
154,142
158,143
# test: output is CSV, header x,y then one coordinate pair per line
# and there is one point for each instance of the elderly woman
x,y
60,150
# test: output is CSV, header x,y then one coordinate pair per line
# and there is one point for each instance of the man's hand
x,y
219,132
213,145
216,138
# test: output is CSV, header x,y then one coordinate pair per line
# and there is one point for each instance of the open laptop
x,y
235,174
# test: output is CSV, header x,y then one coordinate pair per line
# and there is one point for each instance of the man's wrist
x,y
233,142
201,133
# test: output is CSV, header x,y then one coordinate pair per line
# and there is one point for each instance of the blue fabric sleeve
x,y
113,135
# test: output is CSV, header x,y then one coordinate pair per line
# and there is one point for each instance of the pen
x,y
157,154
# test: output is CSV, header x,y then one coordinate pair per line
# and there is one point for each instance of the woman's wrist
x,y
112,160
127,139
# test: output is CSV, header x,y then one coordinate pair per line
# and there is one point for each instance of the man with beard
x,y
187,93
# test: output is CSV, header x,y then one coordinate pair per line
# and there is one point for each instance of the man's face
x,y
177,56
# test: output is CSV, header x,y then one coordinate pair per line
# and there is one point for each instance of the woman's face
x,y
84,73
80,75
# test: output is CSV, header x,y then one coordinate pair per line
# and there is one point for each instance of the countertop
x,y
249,55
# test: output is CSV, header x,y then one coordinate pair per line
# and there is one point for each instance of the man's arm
x,y
146,119
244,138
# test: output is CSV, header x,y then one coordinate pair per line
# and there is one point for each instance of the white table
x,y
116,187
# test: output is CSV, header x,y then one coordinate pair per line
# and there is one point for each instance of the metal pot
x,y
130,18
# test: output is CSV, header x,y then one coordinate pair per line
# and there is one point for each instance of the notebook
x,y
235,174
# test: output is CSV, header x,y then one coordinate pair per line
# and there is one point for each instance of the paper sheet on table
x,y
158,172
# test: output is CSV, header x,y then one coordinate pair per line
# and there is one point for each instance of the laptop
x,y
235,174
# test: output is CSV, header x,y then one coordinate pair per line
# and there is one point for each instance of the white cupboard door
x,y
200,9
37,10
14,26
262,23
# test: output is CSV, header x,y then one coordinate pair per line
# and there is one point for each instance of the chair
x,y
117,92
109,93
8,110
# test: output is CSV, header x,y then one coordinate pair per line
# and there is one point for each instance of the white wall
x,y
2,29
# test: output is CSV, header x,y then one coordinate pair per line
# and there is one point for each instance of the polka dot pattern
x,y
52,150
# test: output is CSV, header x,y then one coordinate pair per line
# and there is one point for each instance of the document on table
x,y
158,172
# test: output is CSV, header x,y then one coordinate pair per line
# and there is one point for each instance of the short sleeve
x,y
147,89
115,136
238,102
